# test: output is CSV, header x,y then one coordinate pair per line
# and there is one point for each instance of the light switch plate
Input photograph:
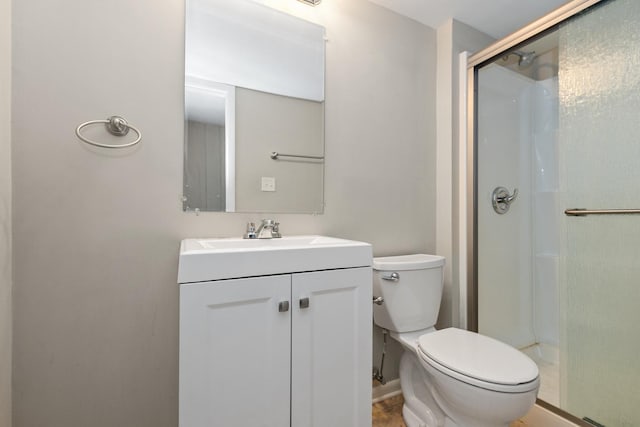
x,y
268,183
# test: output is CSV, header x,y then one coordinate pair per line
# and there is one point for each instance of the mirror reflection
x,y
254,85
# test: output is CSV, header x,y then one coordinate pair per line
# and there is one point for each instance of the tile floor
x,y
388,413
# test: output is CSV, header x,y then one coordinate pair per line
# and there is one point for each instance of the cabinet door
x,y
235,353
331,349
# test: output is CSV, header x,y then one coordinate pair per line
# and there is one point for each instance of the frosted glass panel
x,y
599,89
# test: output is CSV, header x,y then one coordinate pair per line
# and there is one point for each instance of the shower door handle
x,y
501,199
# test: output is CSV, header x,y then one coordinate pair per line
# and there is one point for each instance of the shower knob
x,y
501,199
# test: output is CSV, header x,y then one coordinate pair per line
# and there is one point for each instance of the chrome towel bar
x,y
116,126
275,155
585,212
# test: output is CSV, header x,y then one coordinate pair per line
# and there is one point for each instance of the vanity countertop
x,y
217,259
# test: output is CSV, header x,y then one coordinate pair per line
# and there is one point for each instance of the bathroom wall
x,y
96,233
547,214
505,309
5,213
454,37
518,122
518,251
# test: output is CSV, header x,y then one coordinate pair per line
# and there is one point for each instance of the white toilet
x,y
449,377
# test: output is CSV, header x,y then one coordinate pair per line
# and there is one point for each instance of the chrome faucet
x,y
269,229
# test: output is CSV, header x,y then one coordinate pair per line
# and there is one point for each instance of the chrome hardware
x,y
585,212
377,373
251,231
501,199
311,2
275,155
393,277
116,126
378,300
275,231
304,302
268,230
283,306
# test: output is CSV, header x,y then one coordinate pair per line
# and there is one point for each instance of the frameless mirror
x,y
254,86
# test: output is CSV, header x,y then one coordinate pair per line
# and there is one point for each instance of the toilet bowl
x,y
449,377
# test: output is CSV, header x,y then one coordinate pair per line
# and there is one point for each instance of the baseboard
x,y
385,391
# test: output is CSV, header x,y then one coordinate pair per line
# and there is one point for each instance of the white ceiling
x,y
497,18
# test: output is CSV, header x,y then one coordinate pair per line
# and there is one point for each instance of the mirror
x,y
254,109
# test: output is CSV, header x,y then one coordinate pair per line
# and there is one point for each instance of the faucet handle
x,y
275,230
251,231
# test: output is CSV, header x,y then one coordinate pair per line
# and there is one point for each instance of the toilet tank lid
x,y
407,262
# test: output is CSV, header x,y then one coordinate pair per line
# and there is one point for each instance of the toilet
x,y
449,377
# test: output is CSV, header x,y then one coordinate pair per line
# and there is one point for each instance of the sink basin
x,y
216,259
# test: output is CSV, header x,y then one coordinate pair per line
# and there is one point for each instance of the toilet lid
x,y
478,356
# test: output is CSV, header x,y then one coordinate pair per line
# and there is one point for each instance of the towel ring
x,y
116,126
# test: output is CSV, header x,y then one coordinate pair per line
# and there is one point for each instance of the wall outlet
x,y
268,183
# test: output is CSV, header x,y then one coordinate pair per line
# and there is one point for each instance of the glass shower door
x,y
599,113
558,118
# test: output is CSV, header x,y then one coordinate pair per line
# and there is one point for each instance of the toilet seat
x,y
478,360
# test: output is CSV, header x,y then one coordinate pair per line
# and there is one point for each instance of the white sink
x,y
215,259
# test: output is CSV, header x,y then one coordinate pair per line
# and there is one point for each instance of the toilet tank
x,y
411,286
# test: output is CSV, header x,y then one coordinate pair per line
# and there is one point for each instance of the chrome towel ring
x,y
117,126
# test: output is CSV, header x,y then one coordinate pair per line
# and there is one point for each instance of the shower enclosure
x,y
554,184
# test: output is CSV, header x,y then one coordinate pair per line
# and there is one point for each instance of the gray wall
x,y
463,38
454,37
96,234
5,213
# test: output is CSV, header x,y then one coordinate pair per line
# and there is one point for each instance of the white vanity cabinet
x,y
331,348
277,350
235,353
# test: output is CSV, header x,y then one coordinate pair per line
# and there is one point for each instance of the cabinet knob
x,y
283,306
304,302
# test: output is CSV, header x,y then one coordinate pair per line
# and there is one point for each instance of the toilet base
x,y
411,419
419,410
425,407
